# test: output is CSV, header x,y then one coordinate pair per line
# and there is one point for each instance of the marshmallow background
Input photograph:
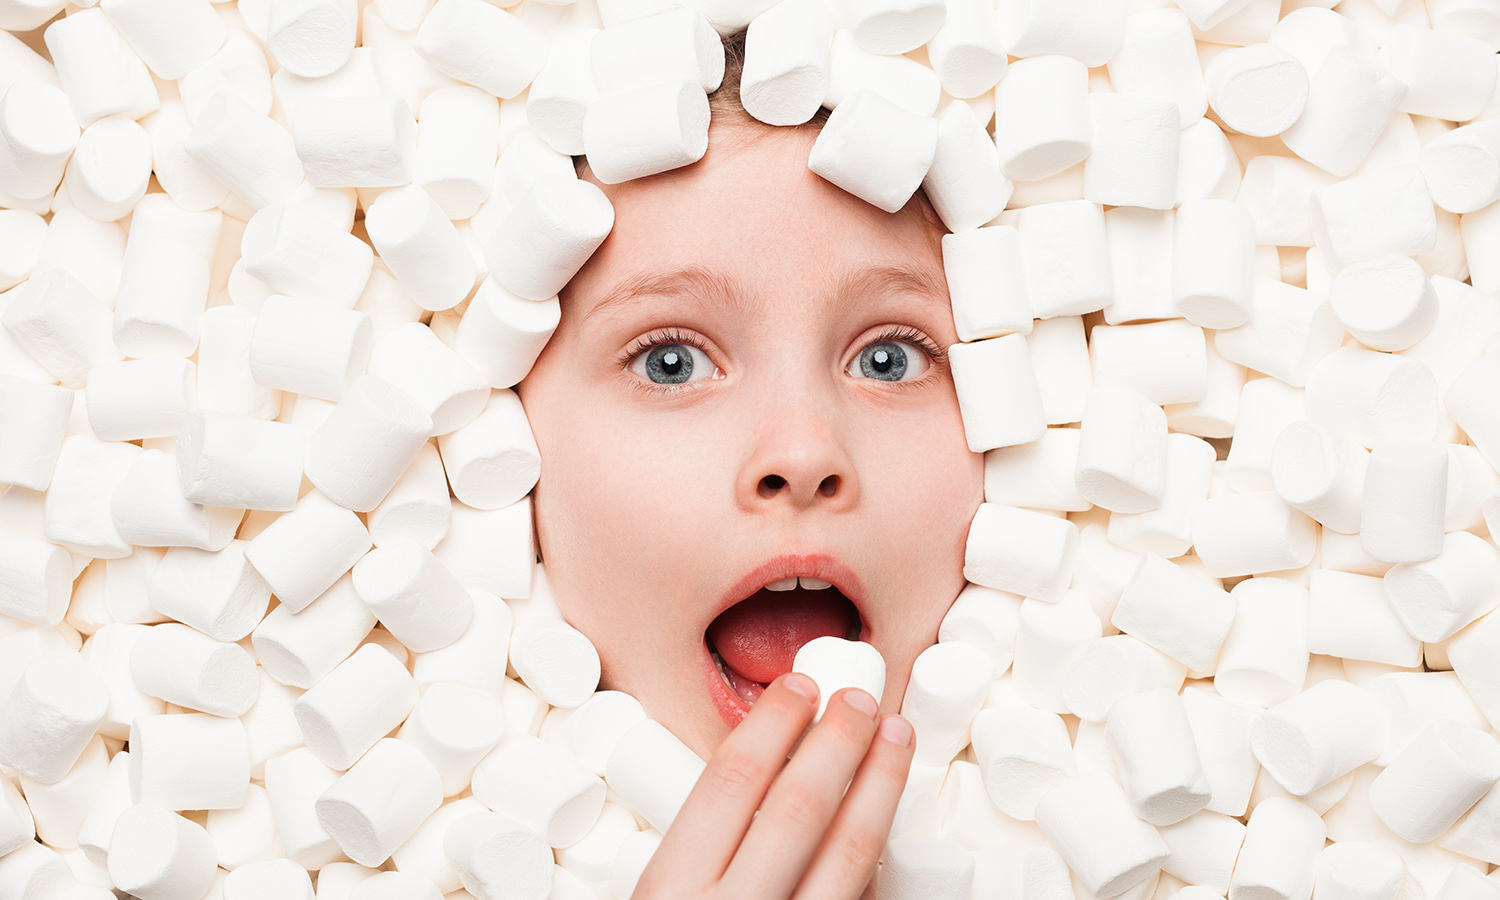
x,y
1272,470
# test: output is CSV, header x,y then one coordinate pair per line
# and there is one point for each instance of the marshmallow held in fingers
x,y
1089,820
364,446
551,232
155,852
52,713
834,664
1435,780
375,806
875,150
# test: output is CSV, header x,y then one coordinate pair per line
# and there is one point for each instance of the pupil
x,y
669,364
885,361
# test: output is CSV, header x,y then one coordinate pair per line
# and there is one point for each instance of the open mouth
x,y
757,639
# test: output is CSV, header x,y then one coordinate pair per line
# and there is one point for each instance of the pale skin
x,y
657,500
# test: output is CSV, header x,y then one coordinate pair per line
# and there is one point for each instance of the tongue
x,y
759,637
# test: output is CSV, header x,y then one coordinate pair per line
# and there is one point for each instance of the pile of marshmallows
x,y
268,517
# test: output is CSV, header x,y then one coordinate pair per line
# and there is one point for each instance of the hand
x,y
759,826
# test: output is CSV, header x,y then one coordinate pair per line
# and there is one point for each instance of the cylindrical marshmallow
x,y
164,279
1374,215
948,684
294,781
1140,257
110,168
60,323
355,705
834,664
553,229
555,660
155,853
1462,167
140,398
268,878
1037,475
1258,90
1447,76
189,761
1321,474
1405,497
225,383
76,511
217,592
418,507
455,727
361,450
355,142
1153,747
458,132
653,772
38,577
497,856
1179,612
646,130
1113,668
37,136
1435,780
450,390
875,150
310,38
1359,870
1167,361
1134,159
1349,616
493,461
997,394
1042,121
148,509
1049,639
1122,451
196,33
482,45
98,71
300,649
307,347
1251,534
33,422
375,806
191,669
533,783
1089,820
1090,32
244,150
502,334
239,462
1157,58
1022,753
413,595
302,553
1437,597
53,711
1387,303
1320,735
1349,101
1213,260
1279,858
937,868
1021,551
987,283
422,248
301,255
964,183
1066,251
786,68
1264,658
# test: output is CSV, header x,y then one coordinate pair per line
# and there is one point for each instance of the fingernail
x,y
896,730
803,685
861,701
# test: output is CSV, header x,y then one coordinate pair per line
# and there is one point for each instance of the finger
x,y
845,863
803,799
713,820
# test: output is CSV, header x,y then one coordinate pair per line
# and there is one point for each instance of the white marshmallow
x,y
76,509
555,660
563,90
1177,611
225,383
420,861
1252,533
1289,331
481,45
491,550
58,322
1264,658
1122,451
455,727
267,878
1158,761
1373,215
270,726
493,461
496,856
216,592
913,867
964,183
501,334
1447,76
1067,258
875,150
1467,400
107,654
355,705
39,579
422,248
1359,870
50,717
1037,475
1372,397
33,419
1168,528
302,553
1387,303
164,281
1442,773
1042,124
197,33
448,389
1276,190
589,733
552,231
25,232
359,453
300,649
1401,513
1259,90
1267,406
948,684
1022,754
892,28
1112,668
593,857
1462,167
533,783
148,509
98,71
239,65
1320,473
1437,597
375,806
38,134
301,255
1318,736
1140,255
415,597
418,507
98,824
456,139
987,282
1349,101
306,347
1021,551
1090,31
834,664
189,761
244,150
1157,59
967,52
1164,361
902,80
1349,616
355,141
645,131
653,772
157,853
1049,639
1221,731
668,46
294,782
140,398
239,462
1280,855
998,398
1134,158
311,38
1207,167
1088,813
191,669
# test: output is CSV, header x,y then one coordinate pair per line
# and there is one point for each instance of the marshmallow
x,y
669,46
914,867
25,232
189,761
140,398
239,462
1447,76
1264,658
1289,331
964,183
1467,400
1022,753
270,726
1387,303
301,554
1164,361
1140,255
1049,639
1207,167
455,727
967,52
311,38
491,550
197,33
563,90
1168,528
1090,31
1204,847
1258,90
1277,190
902,80
1474,834
1158,761
1267,407
1134,158
645,131
1042,123
301,649
413,595
421,860
456,139
1349,616
244,150
481,45
1372,397
449,390
892,28
33,419
1319,735
50,717
998,398
1157,59
359,453
1122,451
417,508
155,853
492,462
1037,475
355,705
987,282
239,65
1359,870
1412,701
1279,858
1252,533
1435,780
375,806
1177,611
1462,167
834,664
592,858
1065,249
98,71
77,506
1112,668
247,835
533,783
496,856
589,733
1221,732
875,150
552,231
948,684
294,781
191,669
653,772
555,660
1401,514
107,654
38,134
268,878
1021,551
148,509
56,320
421,247
1349,101
301,255
501,334
225,383
355,141
1089,820
1373,215
1437,597
38,576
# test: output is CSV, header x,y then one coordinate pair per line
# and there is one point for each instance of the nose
x,y
798,459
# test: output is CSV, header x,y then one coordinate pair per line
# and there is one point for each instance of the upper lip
x,y
787,565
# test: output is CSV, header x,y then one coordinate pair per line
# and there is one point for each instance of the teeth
x,y
785,584
814,584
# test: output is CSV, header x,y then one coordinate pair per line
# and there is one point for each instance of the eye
x,y
887,360
673,363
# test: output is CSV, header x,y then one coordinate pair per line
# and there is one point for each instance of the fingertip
x,y
801,685
896,730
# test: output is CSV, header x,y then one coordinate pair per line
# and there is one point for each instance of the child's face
x,y
660,506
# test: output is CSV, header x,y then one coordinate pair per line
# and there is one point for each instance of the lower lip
x,y
729,706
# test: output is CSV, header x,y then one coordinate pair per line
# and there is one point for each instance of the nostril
x,y
770,484
829,486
